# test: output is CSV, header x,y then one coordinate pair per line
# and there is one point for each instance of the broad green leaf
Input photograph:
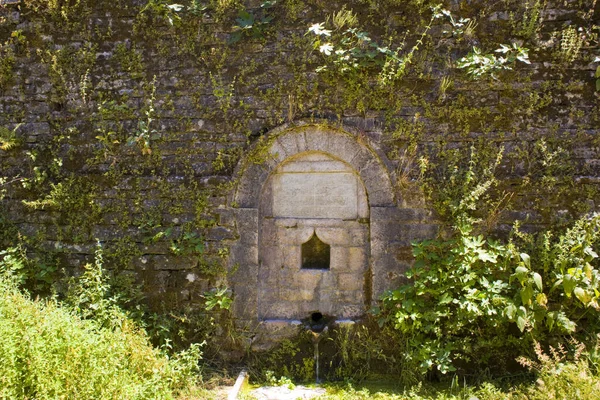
x,y
319,29
486,256
582,295
445,299
556,284
541,299
245,20
587,270
510,311
526,294
326,48
569,284
521,323
526,259
176,7
590,252
537,278
564,322
520,270
522,274
550,319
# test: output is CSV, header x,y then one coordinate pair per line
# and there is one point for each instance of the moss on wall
x,y
128,117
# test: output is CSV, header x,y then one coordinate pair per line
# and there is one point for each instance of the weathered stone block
x,y
163,262
247,225
244,275
317,140
357,259
345,147
269,333
289,144
248,191
343,237
244,304
349,282
277,152
293,236
219,233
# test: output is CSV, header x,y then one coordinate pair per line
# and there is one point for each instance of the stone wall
x,y
163,135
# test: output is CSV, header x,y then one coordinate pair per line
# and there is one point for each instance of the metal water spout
x,y
317,326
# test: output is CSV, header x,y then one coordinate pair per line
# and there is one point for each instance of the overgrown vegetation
x,y
555,373
123,121
473,301
87,348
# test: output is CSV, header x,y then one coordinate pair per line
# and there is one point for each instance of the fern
x,y
8,138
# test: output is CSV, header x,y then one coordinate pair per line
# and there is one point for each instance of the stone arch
x,y
282,146
369,165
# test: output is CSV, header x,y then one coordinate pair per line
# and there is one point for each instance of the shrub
x,y
478,302
467,293
48,351
453,308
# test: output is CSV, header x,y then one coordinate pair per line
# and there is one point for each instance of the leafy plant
x,y
47,351
530,20
251,25
37,276
8,58
351,49
560,372
289,360
68,69
569,266
219,298
146,133
478,64
456,285
461,27
365,351
8,138
163,9
571,41
461,187
466,291
89,295
188,243
271,380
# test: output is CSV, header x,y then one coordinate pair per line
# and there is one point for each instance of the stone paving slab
x,y
284,393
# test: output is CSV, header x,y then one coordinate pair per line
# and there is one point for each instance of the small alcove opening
x,y
315,254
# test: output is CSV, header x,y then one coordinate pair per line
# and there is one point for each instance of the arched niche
x,y
317,200
328,164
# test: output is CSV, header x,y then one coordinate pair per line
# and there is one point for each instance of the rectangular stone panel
x,y
315,195
311,166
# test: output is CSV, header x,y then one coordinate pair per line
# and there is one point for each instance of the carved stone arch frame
x,y
284,143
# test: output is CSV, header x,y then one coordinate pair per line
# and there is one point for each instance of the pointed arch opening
x,y
316,254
